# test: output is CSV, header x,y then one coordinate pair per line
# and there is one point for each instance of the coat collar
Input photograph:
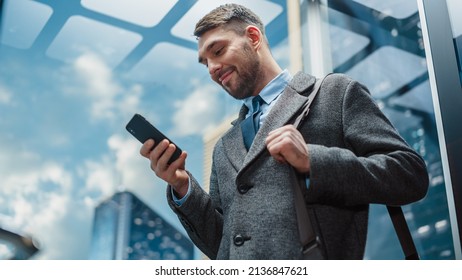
x,y
283,111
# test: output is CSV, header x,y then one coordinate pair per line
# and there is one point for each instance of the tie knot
x,y
256,102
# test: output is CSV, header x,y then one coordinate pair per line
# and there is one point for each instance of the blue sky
x,y
68,85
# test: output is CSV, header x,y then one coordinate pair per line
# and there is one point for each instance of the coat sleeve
x,y
373,164
201,217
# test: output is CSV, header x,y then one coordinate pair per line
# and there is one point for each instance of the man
x,y
349,152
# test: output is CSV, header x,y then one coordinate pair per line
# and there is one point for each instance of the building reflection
x,y
125,228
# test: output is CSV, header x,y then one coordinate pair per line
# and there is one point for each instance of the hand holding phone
x,y
142,130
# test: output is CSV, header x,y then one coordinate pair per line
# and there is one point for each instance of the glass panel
x,y
72,74
81,36
146,13
16,31
395,8
389,58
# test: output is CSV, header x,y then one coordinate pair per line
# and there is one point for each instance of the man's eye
x,y
218,52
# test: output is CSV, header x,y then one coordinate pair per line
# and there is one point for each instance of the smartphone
x,y
143,130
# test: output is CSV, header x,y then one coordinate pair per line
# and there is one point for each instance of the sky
x,y
64,103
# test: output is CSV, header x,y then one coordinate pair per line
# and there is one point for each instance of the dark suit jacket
x,y
357,158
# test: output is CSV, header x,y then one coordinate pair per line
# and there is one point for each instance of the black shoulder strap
x,y
306,106
311,243
402,230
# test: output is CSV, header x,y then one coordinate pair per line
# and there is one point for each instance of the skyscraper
x,y
125,228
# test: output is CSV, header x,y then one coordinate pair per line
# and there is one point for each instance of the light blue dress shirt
x,y
270,94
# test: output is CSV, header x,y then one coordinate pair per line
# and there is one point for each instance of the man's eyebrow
x,y
201,59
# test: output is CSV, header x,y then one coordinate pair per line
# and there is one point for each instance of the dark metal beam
x,y
447,95
24,247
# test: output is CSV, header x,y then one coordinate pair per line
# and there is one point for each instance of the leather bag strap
x,y
402,230
306,106
311,243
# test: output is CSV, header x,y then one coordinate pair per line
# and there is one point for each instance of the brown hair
x,y
230,16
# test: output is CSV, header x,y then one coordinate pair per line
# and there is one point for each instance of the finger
x,y
271,139
274,148
180,162
166,155
280,133
285,147
146,148
172,173
279,157
280,142
275,137
287,127
156,154
274,134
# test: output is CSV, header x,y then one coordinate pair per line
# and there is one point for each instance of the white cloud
x,y
122,167
24,172
37,199
97,76
108,97
199,112
63,228
5,95
100,177
5,252
130,165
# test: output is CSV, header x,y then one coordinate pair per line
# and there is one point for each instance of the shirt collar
x,y
273,89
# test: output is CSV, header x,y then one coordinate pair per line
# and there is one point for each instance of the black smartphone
x,y
143,130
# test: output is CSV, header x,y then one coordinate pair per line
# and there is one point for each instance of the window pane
x,y
383,49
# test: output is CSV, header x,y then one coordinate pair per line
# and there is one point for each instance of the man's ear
x,y
255,36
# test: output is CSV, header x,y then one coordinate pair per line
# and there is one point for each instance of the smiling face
x,y
232,60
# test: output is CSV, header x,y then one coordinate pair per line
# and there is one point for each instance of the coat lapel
x,y
233,143
288,104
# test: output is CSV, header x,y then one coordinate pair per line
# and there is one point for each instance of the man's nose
x,y
214,68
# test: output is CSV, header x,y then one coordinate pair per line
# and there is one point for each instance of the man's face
x,y
231,61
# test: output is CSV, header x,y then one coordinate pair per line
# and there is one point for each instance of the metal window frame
x,y
447,102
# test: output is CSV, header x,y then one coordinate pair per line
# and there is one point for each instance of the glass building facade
x,y
72,73
380,44
125,228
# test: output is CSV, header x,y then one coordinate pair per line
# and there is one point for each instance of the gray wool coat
x,y
357,158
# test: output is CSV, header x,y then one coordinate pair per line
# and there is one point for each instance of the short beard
x,y
249,75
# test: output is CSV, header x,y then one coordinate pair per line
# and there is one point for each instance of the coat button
x,y
242,189
239,239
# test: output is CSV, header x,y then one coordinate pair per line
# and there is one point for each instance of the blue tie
x,y
251,124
